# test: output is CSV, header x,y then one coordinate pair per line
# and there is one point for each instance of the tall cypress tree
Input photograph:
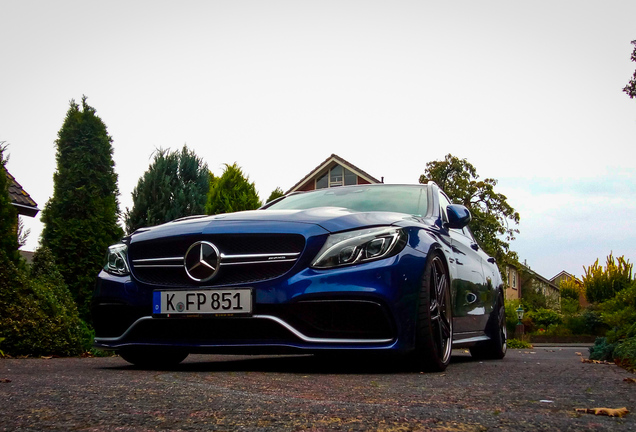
x,y
8,216
80,219
175,185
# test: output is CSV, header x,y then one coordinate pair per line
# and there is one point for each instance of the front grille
x,y
245,258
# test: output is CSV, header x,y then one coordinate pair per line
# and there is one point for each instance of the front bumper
x,y
368,306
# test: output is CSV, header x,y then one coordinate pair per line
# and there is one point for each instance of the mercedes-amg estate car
x,y
372,268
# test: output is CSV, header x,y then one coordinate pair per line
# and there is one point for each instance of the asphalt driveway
x,y
535,389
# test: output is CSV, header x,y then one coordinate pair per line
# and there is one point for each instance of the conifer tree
x,y
630,88
232,192
276,193
8,216
80,219
175,185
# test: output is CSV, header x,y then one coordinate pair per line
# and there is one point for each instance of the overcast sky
x,y
528,92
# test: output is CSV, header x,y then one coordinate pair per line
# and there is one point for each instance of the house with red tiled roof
x,y
332,172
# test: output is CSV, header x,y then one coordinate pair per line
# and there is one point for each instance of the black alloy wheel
x,y
496,347
153,358
434,337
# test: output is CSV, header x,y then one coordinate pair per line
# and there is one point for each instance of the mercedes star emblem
x,y
201,261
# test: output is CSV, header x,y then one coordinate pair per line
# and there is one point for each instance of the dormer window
x,y
336,176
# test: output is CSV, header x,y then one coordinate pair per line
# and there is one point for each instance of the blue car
x,y
353,269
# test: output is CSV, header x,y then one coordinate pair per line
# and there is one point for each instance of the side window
x,y
469,234
443,203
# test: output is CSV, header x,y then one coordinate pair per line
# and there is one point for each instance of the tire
x,y
496,347
153,358
434,337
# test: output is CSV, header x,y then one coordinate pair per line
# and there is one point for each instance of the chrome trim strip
x,y
267,317
157,259
146,262
159,266
255,262
318,340
128,330
471,339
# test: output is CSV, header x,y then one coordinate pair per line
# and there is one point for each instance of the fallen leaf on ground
x,y
632,380
5,380
578,353
611,412
584,360
46,357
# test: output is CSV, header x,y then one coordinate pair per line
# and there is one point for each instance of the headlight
x,y
360,246
116,260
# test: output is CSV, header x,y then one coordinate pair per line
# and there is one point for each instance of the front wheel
x,y
434,338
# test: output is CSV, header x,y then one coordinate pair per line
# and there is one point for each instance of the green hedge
x,y
37,313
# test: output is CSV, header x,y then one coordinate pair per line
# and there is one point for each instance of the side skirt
x,y
461,340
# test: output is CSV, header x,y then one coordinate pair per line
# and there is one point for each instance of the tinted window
x,y
402,199
335,176
443,203
323,181
350,178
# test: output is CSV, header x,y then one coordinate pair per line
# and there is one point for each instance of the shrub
x,y
569,288
602,350
593,321
569,306
570,292
620,310
602,284
37,313
623,332
8,217
625,354
543,318
557,330
586,322
518,344
511,315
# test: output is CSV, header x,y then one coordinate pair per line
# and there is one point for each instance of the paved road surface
x,y
529,390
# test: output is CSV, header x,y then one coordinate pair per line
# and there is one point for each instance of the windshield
x,y
391,198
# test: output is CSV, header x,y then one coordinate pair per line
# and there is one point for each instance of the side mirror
x,y
458,216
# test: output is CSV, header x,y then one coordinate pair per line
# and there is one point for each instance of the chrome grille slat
x,y
257,262
157,259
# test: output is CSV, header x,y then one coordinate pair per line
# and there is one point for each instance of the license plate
x,y
215,302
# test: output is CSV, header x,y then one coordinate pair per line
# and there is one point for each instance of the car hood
x,y
330,219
